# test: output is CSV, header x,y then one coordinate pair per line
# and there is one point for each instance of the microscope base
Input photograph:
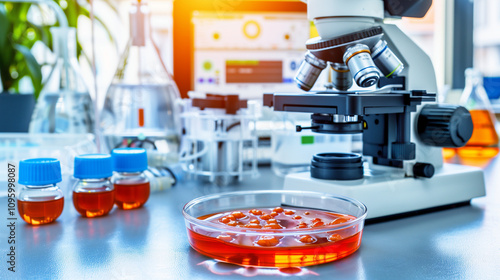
x,y
384,195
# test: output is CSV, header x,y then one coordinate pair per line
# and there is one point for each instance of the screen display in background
x,y
254,71
248,53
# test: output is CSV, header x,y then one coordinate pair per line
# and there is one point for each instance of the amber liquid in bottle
x,y
484,140
94,204
40,212
131,196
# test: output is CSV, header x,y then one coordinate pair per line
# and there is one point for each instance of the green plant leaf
x,y
72,13
18,15
33,68
6,56
4,26
15,45
48,36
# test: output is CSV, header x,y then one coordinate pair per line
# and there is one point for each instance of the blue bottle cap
x,y
94,166
129,160
39,171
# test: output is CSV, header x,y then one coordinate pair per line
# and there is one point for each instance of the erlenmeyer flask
x,y
140,106
484,140
64,105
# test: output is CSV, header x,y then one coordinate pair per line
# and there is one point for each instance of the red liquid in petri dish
x,y
277,250
40,212
131,196
94,204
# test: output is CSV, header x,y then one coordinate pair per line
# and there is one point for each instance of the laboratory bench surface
x,y
151,243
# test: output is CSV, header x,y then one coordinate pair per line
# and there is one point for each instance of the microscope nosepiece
x,y
309,71
361,65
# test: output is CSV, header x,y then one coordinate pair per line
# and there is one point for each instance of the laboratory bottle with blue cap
x,y
93,193
141,108
132,186
40,200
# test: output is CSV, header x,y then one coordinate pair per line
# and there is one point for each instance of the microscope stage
x,y
391,194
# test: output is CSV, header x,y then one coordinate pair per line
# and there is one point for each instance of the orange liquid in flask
x,y
484,140
141,117
449,153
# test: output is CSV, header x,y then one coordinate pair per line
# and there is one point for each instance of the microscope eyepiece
x,y
309,71
361,65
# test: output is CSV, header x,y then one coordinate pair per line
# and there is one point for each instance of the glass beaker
x,y
140,106
64,105
484,140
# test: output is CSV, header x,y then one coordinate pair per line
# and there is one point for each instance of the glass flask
x,y
64,104
140,105
484,140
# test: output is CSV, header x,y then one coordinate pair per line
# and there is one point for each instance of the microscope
x,y
393,106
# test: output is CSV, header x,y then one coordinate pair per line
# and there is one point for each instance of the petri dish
x,y
296,241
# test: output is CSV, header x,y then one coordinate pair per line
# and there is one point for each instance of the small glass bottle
x,y
64,105
131,184
93,194
40,200
484,140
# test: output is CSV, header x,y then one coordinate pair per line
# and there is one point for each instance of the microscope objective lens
x,y
361,65
309,71
341,76
385,59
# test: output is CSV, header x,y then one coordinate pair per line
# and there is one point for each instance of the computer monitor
x,y
242,47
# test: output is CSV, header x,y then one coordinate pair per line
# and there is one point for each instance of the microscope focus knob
x,y
423,170
444,125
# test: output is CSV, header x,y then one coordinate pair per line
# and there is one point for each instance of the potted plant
x,y
18,66
17,63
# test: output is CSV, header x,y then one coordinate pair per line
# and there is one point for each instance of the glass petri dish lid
x,y
288,246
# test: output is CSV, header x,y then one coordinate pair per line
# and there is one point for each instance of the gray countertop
x,y
151,243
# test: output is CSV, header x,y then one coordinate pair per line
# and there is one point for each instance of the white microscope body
x,y
389,191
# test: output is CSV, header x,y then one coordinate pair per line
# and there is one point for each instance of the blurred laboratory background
x,y
99,68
